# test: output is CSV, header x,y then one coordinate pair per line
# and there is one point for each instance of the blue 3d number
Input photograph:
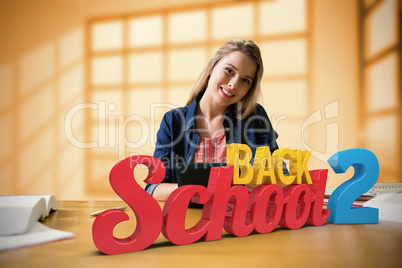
x,y
340,203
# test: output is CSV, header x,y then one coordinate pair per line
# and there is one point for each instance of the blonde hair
x,y
249,48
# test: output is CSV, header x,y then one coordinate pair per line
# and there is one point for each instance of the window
x,y
381,85
145,64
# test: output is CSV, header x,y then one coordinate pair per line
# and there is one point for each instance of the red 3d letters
x,y
226,206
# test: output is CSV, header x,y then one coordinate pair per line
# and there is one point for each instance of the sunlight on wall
x,y
187,27
381,87
141,70
226,24
286,16
384,17
139,29
7,124
73,105
294,92
382,84
285,57
39,88
107,70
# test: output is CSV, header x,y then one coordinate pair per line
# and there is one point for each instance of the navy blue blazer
x,y
178,137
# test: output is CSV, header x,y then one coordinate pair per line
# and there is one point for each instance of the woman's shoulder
x,y
177,113
258,110
259,107
258,117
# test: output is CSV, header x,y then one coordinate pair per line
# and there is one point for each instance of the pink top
x,y
211,150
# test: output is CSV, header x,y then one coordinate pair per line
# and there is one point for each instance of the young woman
x,y
222,109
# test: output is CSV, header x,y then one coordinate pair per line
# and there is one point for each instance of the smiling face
x,y
231,79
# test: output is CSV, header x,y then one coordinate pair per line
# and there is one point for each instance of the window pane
x,y
382,139
186,64
290,132
284,57
189,26
109,102
106,136
141,100
138,141
282,16
107,70
137,137
100,168
107,35
146,67
178,95
381,27
146,149
145,31
381,84
233,22
285,98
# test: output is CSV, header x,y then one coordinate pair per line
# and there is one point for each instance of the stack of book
x,y
19,221
376,190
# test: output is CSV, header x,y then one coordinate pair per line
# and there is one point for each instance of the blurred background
x,y
84,83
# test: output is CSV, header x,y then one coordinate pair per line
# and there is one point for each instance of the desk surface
x,y
330,245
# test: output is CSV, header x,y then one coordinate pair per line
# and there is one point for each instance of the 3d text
x,y
232,207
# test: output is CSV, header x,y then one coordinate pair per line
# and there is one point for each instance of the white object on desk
x,y
99,212
38,234
387,187
18,213
389,205
19,221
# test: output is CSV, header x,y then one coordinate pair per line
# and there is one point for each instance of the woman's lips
x,y
226,93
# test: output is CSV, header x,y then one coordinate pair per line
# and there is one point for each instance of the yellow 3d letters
x,y
263,167
239,156
267,168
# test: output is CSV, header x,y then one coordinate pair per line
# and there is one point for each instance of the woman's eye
x,y
246,81
229,70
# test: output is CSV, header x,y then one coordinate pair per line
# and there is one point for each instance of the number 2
x,y
366,174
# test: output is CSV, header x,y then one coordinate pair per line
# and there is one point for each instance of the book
x,y
380,188
376,190
20,213
19,221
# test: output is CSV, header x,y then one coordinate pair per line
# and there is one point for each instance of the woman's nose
x,y
233,83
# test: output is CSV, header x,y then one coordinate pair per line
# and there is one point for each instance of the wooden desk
x,y
370,245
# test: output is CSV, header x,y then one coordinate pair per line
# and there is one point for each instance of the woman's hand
x,y
163,191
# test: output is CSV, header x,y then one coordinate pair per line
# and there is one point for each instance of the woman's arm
x,y
265,134
164,151
163,191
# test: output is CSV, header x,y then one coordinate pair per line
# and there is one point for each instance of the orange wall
x,y
335,79
42,76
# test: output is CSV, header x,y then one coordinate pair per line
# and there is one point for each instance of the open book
x,y
19,221
376,190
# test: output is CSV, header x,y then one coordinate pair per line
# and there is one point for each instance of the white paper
x,y
389,205
38,234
